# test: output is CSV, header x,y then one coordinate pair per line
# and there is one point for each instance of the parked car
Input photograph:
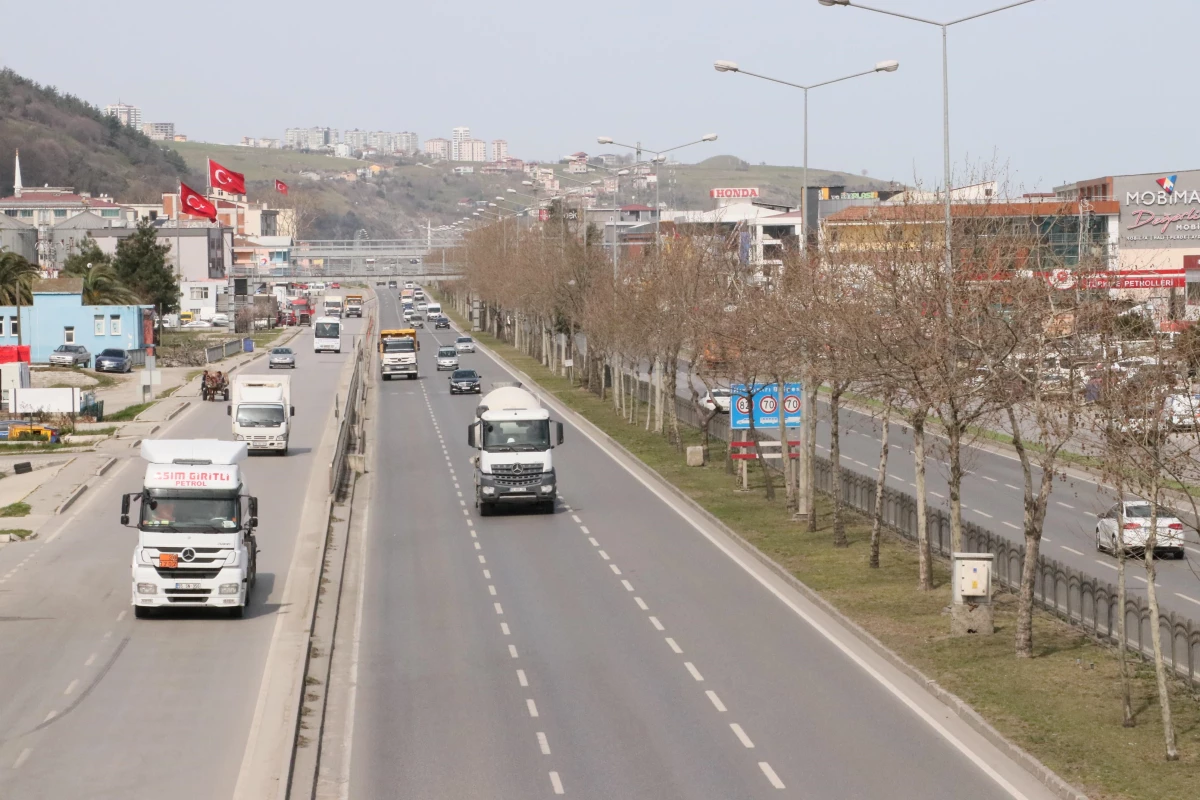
x,y
718,400
465,381
1181,412
464,344
198,323
414,261
113,360
219,319
281,357
441,322
71,355
1135,532
447,358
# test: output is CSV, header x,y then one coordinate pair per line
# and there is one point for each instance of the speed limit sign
x,y
791,404
767,404
743,405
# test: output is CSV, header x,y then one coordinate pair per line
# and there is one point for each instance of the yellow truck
x,y
398,353
354,305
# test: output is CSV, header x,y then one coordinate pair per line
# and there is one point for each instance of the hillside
x,y
688,185
65,141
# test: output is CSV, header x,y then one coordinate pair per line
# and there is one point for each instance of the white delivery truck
x,y
196,545
262,409
333,305
434,310
512,433
327,335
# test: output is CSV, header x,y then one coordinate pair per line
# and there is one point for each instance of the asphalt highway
x,y
617,648
99,705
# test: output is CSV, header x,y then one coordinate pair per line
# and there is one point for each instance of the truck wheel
x,y
141,612
284,451
548,507
237,612
485,509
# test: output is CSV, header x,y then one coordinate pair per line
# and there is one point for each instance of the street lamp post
x,y
945,91
658,158
731,66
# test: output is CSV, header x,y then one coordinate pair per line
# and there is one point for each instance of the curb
x,y
106,466
963,710
178,410
71,498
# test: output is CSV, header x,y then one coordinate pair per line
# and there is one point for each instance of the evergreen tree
x,y
89,253
141,264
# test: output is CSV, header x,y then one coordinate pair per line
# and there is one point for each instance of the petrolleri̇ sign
x,y
1159,210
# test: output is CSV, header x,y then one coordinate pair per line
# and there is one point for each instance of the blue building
x,y
58,316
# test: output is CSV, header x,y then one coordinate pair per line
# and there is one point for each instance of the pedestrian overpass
x,y
426,258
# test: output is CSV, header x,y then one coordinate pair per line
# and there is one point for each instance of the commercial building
x,y
438,148
58,316
199,251
457,137
126,114
159,131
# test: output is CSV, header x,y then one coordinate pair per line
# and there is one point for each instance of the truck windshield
x,y
191,513
398,346
516,435
260,416
328,330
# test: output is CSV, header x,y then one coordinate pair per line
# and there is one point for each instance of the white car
x,y
409,285
718,400
447,358
1182,412
422,306
219,319
198,323
408,314
464,344
1133,537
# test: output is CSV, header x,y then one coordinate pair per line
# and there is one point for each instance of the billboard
x,y
1159,210
65,400
1139,279
731,194
765,401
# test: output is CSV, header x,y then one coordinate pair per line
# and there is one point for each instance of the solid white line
x,y
671,643
499,610
592,539
556,782
543,743
613,567
628,586
604,555
504,629
1185,597
532,706
1065,505
982,513
492,589
770,773
692,669
1014,527
1070,550
512,650
716,701
1014,488
583,528
21,759
71,686
741,734
658,625
92,658
576,518
521,679
642,603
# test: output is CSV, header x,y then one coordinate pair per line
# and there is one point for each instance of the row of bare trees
x,y
1017,333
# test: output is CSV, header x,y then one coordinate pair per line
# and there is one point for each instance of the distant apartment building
x,y
126,114
311,138
458,137
357,139
438,148
499,150
608,159
159,131
464,170
251,141
408,143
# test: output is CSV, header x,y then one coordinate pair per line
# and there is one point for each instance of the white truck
x,y
196,545
327,335
261,408
512,432
333,305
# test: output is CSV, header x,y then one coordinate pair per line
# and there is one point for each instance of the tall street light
x,y
945,89
658,159
732,66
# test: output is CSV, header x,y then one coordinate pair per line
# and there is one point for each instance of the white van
x,y
327,335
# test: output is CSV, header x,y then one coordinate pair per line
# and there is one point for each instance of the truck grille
x,y
188,574
517,474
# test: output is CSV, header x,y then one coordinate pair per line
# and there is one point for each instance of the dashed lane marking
x,y
692,669
604,555
628,586
658,625
1189,599
741,734
512,650
556,782
532,706
770,773
499,608
21,759
614,568
521,679
504,628
641,604
716,701
675,647
543,743
1014,527
1070,550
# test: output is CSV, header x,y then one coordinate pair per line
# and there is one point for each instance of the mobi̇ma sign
x,y
1159,210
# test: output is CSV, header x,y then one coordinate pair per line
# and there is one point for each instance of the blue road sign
x,y
765,401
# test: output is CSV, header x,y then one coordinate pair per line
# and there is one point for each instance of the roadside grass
x,y
106,431
263,339
128,413
15,510
1062,706
20,533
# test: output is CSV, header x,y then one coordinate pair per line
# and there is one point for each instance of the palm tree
x,y
102,287
16,271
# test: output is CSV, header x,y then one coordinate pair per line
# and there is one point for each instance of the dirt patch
x,y
48,378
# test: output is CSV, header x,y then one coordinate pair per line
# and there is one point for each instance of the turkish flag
x,y
192,202
226,180
280,186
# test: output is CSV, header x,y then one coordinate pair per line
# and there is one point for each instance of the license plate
x,y
519,489
187,586
168,560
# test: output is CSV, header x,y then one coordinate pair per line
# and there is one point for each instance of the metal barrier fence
x,y
224,350
137,357
1073,596
350,415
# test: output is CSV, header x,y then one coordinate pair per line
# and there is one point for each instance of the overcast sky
x,y
1060,90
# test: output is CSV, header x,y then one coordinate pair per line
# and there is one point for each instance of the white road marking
x,y
466,513
692,669
671,643
462,503
586,532
937,494
1185,597
478,546
613,567
556,782
473,534
482,560
499,608
543,743
592,539
1014,488
1113,567
575,517
487,573
1009,524
1064,505
492,589
741,734
470,522
21,759
460,493
1070,550
642,603
982,513
770,773
988,478
50,716
628,586
71,686
92,658
521,679
604,555
658,625
504,628
532,706
121,616
716,701
512,650
855,460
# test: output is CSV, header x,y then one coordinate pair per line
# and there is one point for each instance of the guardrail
x,y
349,416
137,357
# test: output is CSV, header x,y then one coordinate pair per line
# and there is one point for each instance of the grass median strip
x,y
1062,706
128,413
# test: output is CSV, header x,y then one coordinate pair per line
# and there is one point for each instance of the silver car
x,y
71,355
447,358
464,344
282,357
1135,532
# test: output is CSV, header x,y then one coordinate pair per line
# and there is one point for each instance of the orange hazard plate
x,y
170,560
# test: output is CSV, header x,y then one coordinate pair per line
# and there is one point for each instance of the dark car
x,y
113,360
441,322
465,381
391,284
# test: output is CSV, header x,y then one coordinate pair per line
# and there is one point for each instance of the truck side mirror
x,y
124,509
559,425
229,411
253,512
471,435
293,411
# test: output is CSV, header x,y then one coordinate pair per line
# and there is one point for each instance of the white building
x,y
311,138
159,131
473,150
438,148
408,143
127,114
499,150
457,138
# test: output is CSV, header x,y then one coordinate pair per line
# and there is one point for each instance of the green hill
x,y
65,141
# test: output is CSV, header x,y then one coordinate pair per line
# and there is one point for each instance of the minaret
x,y
17,187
